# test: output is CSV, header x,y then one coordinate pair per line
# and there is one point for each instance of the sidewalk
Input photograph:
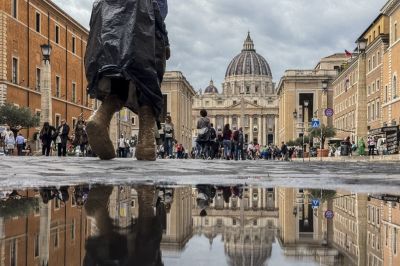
x,y
354,158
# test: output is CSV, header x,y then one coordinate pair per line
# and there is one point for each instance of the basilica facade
x,y
247,100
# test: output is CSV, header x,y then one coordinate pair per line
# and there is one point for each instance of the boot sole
x,y
99,141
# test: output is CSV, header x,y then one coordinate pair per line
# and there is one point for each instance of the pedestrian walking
x,y
121,147
169,135
46,137
203,136
213,142
125,63
10,144
80,135
62,138
227,136
284,151
20,141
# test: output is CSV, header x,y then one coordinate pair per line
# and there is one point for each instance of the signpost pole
x,y
320,143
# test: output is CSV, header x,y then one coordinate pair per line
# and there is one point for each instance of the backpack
x,y
213,133
236,135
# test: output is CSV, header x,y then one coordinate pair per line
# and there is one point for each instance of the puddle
x,y
207,225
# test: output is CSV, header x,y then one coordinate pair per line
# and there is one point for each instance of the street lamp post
x,y
294,123
305,122
45,81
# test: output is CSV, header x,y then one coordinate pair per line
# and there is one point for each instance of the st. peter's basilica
x,y
248,98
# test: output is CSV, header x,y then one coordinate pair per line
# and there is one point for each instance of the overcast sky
x,y
291,34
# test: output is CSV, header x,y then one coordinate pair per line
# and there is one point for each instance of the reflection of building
x,y
301,233
247,225
122,205
350,227
390,227
177,225
54,234
299,86
178,99
374,228
24,26
248,98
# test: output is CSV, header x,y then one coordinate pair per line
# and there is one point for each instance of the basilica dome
x,y
248,62
211,89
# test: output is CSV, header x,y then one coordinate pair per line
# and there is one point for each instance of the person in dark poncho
x,y
125,63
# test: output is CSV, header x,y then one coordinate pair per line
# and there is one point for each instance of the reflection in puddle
x,y
197,225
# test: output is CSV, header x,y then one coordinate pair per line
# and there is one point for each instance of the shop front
x,y
386,138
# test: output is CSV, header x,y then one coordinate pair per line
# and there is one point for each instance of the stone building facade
x,y
247,100
299,86
391,68
377,36
24,27
350,100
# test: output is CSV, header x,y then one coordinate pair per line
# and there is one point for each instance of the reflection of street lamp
x,y
45,82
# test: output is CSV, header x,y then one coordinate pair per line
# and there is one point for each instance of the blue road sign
x,y
315,203
329,112
329,214
315,123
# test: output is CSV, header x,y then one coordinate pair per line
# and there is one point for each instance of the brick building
x,y
24,27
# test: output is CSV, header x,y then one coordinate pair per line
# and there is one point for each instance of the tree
x,y
299,141
322,194
327,132
290,143
17,118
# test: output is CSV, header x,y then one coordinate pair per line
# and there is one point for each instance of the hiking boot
x,y
98,126
146,148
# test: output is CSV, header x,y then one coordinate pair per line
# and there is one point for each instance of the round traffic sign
x,y
329,214
329,112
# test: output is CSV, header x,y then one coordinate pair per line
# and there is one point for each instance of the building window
x,y
56,240
38,75
234,102
57,34
373,62
37,22
373,87
379,58
246,120
394,241
58,90
234,121
15,70
386,93
14,8
369,65
378,115
256,89
395,32
394,87
378,85
369,89
73,44
13,252
36,246
73,92
58,119
247,89
255,101
73,230
133,121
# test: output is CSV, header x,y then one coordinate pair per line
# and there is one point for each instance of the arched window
x,y
394,87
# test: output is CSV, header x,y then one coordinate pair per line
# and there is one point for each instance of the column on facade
x,y
251,138
261,130
275,129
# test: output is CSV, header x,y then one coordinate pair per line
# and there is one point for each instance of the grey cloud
x,y
206,34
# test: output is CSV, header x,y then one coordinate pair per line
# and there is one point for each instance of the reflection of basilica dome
x,y
211,88
248,62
